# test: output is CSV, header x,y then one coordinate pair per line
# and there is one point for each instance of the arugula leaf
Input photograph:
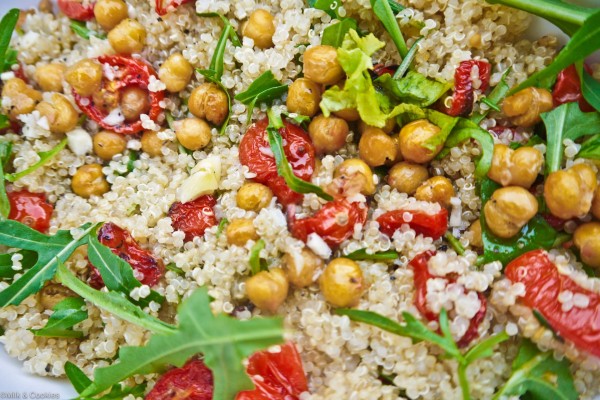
x,y
362,254
51,250
81,30
283,166
7,26
331,7
80,382
66,314
494,99
77,377
5,153
414,88
590,148
6,271
221,226
257,264
334,34
45,157
591,90
264,89
223,340
407,61
384,12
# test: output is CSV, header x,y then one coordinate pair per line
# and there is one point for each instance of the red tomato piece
x,y
81,10
382,69
193,381
568,89
463,98
129,72
165,6
543,284
334,222
430,225
193,217
147,268
30,209
255,153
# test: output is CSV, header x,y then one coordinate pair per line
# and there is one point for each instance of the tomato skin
x,y
255,153
433,226
147,268
568,89
326,222
463,98
193,217
30,209
543,283
74,9
132,72
164,6
193,381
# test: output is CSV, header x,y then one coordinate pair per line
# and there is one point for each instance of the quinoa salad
x,y
365,199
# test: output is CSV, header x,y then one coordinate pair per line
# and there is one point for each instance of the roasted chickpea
x,y
59,112
587,240
515,167
569,193
321,65
208,101
52,294
176,72
85,77
304,97
302,267
50,77
23,98
240,231
268,289
524,107
342,283
354,176
376,147
89,181
389,127
260,27
253,196
348,114
109,13
438,189
46,6
406,177
108,144
152,144
475,234
134,102
193,133
328,134
508,210
414,138
128,37
596,204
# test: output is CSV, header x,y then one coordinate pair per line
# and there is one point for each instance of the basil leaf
x,y
257,264
6,271
362,254
590,88
494,99
264,89
7,26
5,153
66,314
334,34
77,377
384,12
45,157
80,28
590,148
414,88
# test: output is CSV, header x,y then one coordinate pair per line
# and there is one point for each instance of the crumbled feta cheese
x,y
115,117
79,141
318,246
155,84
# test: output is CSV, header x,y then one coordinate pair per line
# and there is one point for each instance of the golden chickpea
x,y
301,268
475,233
508,210
596,204
240,231
569,193
152,144
304,97
524,107
515,167
438,189
128,37
348,114
260,27
268,289
52,294
587,240
193,133
108,144
85,77
46,6
208,101
354,176
342,283
414,138
253,196
50,77
109,13
407,177
89,181
176,72
134,102
389,127
23,97
321,65
59,112
376,147
328,134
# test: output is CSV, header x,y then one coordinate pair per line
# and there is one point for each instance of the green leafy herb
x,y
5,153
67,314
4,122
45,157
80,382
173,267
590,148
257,264
455,243
407,61
386,15
77,377
414,88
591,90
362,254
494,99
331,7
7,27
283,166
133,157
334,34
81,30
222,223
6,270
264,89
223,341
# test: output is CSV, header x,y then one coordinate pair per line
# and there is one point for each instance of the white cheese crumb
x,y
318,246
156,85
79,141
115,117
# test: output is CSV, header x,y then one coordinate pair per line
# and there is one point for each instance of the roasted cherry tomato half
x,y
193,217
334,222
147,269
30,209
255,153
430,225
463,98
421,277
568,89
165,6
543,285
193,381
80,10
128,72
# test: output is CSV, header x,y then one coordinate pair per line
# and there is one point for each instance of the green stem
x,y
555,10
455,243
518,375
464,382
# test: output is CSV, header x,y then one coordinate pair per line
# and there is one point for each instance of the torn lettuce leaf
x,y
414,88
